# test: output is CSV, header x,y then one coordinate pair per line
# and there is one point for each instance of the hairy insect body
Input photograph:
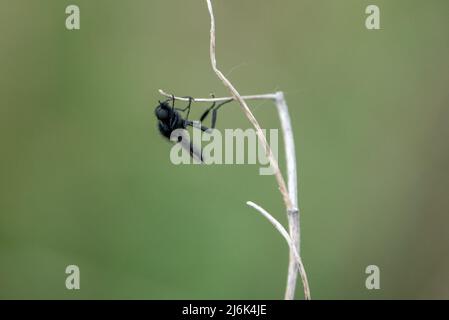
x,y
169,119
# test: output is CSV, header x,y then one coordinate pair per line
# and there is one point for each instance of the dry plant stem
x,y
236,95
296,257
267,96
293,214
289,197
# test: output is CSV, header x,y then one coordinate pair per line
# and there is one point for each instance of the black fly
x,y
170,119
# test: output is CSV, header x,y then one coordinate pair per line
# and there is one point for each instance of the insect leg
x,y
191,99
206,113
215,111
173,102
195,125
173,118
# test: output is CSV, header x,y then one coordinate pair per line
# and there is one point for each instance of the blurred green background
x,y
85,178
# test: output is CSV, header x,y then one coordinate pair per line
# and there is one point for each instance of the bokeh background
x,y
85,178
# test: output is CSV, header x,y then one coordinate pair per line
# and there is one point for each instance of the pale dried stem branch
x,y
290,155
267,96
236,95
297,259
292,215
290,194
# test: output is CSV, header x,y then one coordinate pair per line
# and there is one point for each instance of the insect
x,y
170,119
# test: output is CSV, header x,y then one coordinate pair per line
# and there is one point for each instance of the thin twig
x,y
290,194
293,214
236,95
284,233
268,96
